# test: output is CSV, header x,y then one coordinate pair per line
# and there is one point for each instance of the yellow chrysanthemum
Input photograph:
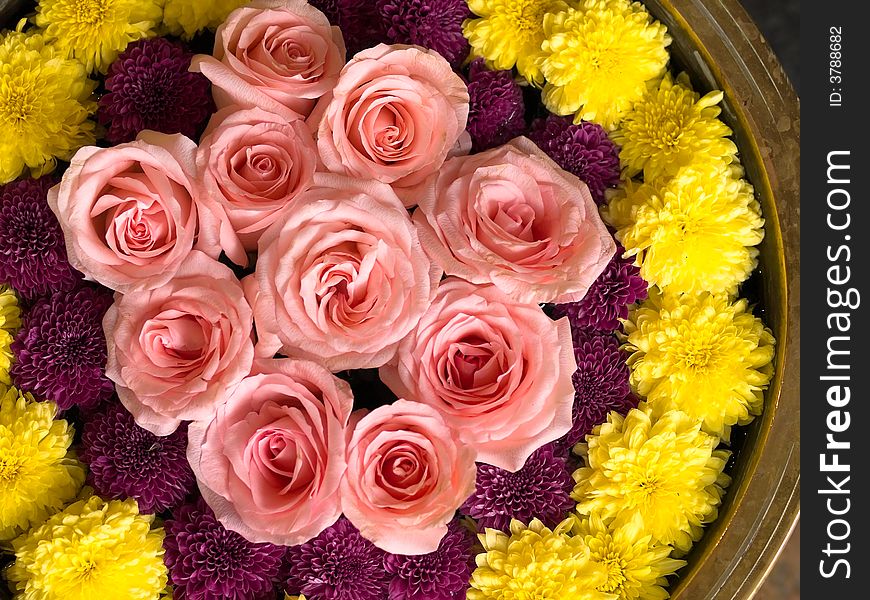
x,y
187,17
45,102
536,562
672,127
599,58
38,472
701,354
289,597
10,321
93,549
510,32
691,233
636,568
96,31
665,472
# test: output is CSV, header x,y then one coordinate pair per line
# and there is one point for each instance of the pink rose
x,y
511,217
394,116
342,278
253,164
174,351
270,459
498,370
407,474
275,54
129,213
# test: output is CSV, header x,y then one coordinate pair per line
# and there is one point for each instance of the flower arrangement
x,y
405,299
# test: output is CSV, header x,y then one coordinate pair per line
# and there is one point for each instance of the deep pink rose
x,y
498,370
407,474
511,217
274,54
395,115
341,278
129,213
269,461
253,164
174,351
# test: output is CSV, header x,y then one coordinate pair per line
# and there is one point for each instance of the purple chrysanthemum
x,y
439,575
584,150
207,561
542,489
339,564
600,384
125,460
149,87
433,24
497,111
618,287
60,352
360,22
32,251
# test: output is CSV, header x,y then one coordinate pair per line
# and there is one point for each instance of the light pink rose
x,y
510,216
342,278
275,54
129,213
269,461
407,474
498,370
174,351
395,115
253,164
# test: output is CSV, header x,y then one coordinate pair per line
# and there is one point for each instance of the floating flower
x,y
126,461
665,472
540,489
598,59
271,459
32,250
510,33
583,149
637,569
175,351
186,18
693,233
339,564
10,321
439,575
278,55
433,24
608,299
548,561
206,561
407,474
481,360
701,354
673,127
341,278
94,32
61,350
252,165
511,217
150,87
38,471
92,549
497,110
600,384
395,116
44,106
